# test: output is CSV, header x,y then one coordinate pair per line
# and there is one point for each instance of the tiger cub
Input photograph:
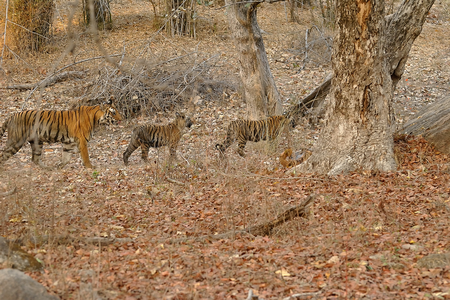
x,y
155,136
72,128
253,131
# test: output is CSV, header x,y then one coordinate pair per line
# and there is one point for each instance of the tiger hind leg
x,y
68,150
241,147
132,146
144,152
36,153
12,147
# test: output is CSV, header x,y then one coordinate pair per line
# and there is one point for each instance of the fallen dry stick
x,y
65,240
261,230
10,192
48,81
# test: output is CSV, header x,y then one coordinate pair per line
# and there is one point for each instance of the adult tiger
x,y
254,131
73,128
147,136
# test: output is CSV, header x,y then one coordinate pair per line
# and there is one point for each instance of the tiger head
x,y
182,121
110,113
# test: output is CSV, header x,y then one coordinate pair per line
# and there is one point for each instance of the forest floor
x,y
364,235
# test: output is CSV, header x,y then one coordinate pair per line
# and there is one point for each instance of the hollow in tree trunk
x,y
260,91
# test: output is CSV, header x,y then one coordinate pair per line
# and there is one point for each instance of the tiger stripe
x,y
72,128
156,136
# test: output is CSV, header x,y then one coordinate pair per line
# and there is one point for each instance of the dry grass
x,y
352,245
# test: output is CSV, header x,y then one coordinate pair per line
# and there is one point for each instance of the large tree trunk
x,y
358,130
33,21
433,123
260,91
369,57
403,27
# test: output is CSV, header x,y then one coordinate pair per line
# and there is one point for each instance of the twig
x,y
48,81
175,181
10,192
28,29
251,296
301,295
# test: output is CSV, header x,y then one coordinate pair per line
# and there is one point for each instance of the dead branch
x,y
313,99
297,211
47,82
10,192
251,296
261,230
65,240
175,181
62,69
301,295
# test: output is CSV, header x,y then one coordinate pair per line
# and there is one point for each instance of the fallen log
x,y
47,82
433,123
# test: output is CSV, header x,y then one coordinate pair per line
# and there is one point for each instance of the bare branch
x,y
48,81
62,69
8,193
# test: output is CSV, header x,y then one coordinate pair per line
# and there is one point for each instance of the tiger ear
x,y
110,101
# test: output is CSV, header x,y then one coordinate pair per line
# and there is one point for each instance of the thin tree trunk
x,y
260,91
358,133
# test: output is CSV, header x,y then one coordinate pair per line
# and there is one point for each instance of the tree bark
x,y
433,123
358,131
403,27
102,13
260,91
370,53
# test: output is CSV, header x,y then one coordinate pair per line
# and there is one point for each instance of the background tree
x,y
260,91
180,14
30,29
370,53
102,12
